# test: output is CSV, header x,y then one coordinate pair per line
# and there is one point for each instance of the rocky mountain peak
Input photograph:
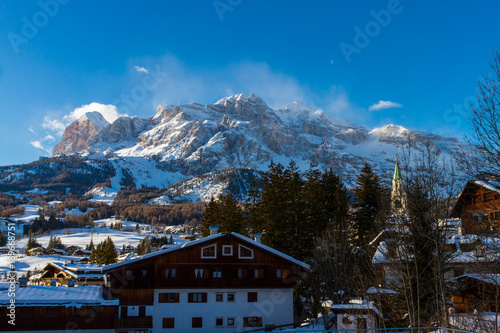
x,y
77,135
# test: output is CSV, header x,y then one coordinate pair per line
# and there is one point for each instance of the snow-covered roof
x,y
488,278
58,296
210,238
361,306
79,271
375,290
490,185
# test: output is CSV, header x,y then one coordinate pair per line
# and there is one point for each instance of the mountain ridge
x,y
179,142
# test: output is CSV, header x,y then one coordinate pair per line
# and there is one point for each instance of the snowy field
x,y
25,263
125,224
80,237
30,213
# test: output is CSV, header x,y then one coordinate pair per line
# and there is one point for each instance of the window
x,y
124,312
168,298
168,322
217,273
128,272
239,273
230,321
197,297
227,250
209,252
252,297
252,322
170,272
198,273
142,311
256,273
52,313
219,297
245,252
281,273
197,322
495,216
144,272
488,196
230,297
219,322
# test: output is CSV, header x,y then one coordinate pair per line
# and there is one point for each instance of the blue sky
x,y
412,63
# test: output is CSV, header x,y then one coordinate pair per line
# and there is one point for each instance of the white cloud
x,y
39,145
53,125
182,84
141,70
384,105
108,111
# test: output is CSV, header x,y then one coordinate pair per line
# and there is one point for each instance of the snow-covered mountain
x,y
242,131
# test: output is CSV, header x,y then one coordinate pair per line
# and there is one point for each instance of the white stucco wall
x,y
275,306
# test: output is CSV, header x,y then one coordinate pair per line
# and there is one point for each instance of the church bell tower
x,y
398,195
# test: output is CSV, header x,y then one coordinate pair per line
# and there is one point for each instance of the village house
x,y
85,309
478,206
226,282
35,251
82,274
357,314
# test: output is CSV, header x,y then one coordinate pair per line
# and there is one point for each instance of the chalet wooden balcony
x,y
134,322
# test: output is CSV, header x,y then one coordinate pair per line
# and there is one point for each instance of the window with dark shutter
x,y
168,298
252,297
168,322
252,322
197,322
142,311
197,297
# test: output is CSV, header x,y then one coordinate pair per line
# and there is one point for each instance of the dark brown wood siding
x,y
220,272
60,318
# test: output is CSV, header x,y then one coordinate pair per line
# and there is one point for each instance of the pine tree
x,y
90,246
226,213
32,243
105,253
369,194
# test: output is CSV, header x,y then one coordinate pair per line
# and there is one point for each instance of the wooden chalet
x,y
478,206
82,274
58,309
477,293
35,251
56,252
224,282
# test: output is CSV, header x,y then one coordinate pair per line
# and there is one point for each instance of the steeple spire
x,y
397,172
398,195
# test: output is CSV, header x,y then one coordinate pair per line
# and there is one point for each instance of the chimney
x,y
23,282
257,237
71,283
214,230
53,282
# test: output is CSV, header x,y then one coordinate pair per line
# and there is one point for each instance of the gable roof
x,y
211,238
472,186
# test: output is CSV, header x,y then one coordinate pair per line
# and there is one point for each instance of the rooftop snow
x,y
58,296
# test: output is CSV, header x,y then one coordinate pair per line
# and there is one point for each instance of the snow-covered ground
x,y
30,213
24,263
80,237
125,224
